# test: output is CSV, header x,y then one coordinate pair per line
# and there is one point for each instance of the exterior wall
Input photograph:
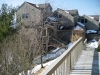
x,y
49,11
66,18
33,14
65,35
91,23
76,18
92,36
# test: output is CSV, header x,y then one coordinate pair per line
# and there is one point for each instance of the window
x,y
25,15
85,20
82,20
60,16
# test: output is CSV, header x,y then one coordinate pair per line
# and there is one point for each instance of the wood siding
x,y
91,23
34,14
66,18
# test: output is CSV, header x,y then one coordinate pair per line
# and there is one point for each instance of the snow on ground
x,y
56,49
78,28
81,24
50,56
92,44
91,31
69,45
38,67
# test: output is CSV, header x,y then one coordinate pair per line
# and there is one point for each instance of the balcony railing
x,y
64,63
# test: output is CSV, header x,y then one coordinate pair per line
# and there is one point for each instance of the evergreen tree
x,y
6,15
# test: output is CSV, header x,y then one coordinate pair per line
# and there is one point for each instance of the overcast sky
x,y
88,7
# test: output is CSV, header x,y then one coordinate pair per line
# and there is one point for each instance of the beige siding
x,y
66,19
33,17
91,23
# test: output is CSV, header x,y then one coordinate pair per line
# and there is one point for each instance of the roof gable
x,y
89,18
58,9
96,17
27,3
44,6
73,12
38,6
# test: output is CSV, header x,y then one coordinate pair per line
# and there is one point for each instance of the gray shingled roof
x,y
42,6
96,17
32,4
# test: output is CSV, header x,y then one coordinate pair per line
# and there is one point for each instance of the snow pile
x,y
78,28
93,44
37,68
53,51
50,56
81,24
91,31
69,45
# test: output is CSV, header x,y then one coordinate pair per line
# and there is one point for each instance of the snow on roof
x,y
37,5
52,18
67,12
80,23
91,31
78,28
91,17
61,27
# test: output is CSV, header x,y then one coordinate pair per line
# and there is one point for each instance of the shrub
x,y
76,34
98,49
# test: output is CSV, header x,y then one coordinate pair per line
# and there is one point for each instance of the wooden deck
x,y
87,64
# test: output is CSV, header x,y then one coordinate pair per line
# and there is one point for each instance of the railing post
x,y
70,62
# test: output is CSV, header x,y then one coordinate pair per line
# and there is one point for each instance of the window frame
x,y
25,15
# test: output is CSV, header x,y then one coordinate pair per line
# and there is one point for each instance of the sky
x,y
88,7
